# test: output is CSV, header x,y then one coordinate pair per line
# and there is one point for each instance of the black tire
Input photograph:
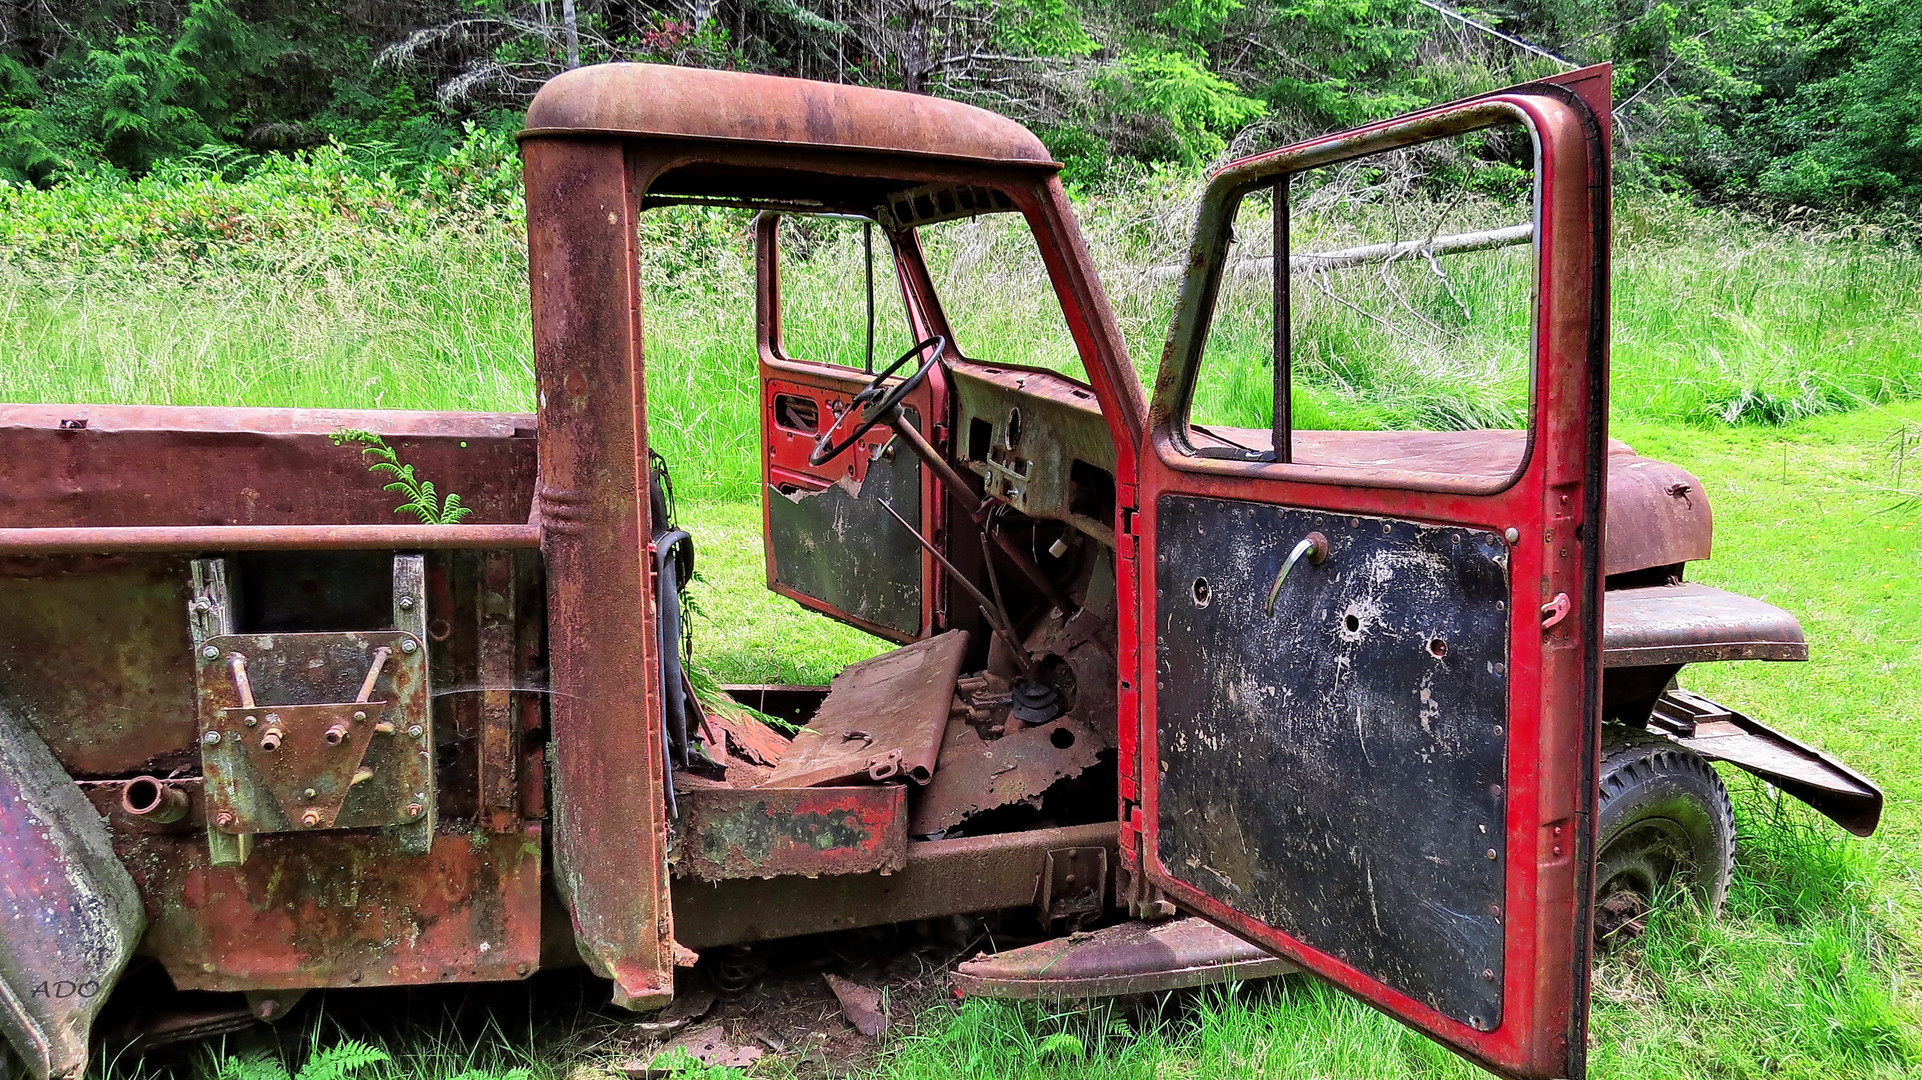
x,y
1664,820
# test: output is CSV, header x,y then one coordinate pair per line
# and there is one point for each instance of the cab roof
x,y
659,101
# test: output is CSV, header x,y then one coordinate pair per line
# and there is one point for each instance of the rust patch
x,y
765,832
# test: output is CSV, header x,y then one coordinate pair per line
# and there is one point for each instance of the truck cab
x,y
1349,695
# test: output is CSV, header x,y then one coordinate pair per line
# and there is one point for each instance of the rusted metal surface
x,y
1054,423
188,538
340,909
605,713
653,100
1658,514
1127,958
977,774
942,877
1687,623
1719,733
766,832
104,709
70,911
496,641
315,731
1074,885
147,466
882,718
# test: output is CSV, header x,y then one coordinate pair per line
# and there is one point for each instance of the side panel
x,y
609,827
1361,807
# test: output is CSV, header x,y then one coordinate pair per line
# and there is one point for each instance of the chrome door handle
x,y
1314,547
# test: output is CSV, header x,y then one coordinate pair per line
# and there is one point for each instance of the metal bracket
x,y
1074,884
314,731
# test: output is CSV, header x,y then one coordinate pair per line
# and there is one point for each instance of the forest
x,y
1787,106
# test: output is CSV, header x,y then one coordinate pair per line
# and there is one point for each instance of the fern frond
x,y
341,1060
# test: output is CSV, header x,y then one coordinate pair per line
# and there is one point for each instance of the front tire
x,y
1664,823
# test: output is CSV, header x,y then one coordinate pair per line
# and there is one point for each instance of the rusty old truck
x,y
1398,707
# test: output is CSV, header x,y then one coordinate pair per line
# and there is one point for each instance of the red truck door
x,y
1368,737
832,538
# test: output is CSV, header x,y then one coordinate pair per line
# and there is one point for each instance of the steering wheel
x,y
877,402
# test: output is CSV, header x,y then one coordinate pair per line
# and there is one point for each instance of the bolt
x,y
1489,974
415,809
225,818
208,968
309,793
1491,853
406,603
252,721
1513,535
212,738
520,969
359,715
310,819
408,646
211,652
415,730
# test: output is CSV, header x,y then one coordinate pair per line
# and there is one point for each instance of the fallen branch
x,y
1374,253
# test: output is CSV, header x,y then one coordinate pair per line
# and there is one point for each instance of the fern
x,y
255,1066
340,1061
422,500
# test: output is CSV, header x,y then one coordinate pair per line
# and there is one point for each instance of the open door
x,y
832,537
1369,738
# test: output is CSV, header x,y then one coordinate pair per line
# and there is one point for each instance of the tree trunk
x,y
573,27
918,20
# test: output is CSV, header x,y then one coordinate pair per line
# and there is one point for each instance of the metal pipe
x,y
997,618
152,799
188,538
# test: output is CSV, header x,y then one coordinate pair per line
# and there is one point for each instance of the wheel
x,y
1664,820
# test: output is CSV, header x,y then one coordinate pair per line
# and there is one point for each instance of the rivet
x,y
1513,535
309,793
1558,849
1489,974
359,715
415,809
252,721
210,653
520,969
208,968
1491,854
415,730
224,818
406,603
408,646
212,738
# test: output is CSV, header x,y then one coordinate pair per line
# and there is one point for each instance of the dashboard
x,y
1038,440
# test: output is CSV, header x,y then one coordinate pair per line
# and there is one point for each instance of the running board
x,y
1128,958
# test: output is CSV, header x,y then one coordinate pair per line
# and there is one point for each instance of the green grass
x,y
1737,351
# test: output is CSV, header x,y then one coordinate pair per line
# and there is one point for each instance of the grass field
x,y
1774,364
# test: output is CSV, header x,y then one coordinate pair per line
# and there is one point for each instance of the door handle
x,y
1314,547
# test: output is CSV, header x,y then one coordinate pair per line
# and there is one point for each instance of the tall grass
x,y
312,283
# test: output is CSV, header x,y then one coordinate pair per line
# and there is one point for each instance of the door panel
x,y
830,540
1333,764
1378,759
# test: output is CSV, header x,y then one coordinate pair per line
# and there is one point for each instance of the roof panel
x,y
643,100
